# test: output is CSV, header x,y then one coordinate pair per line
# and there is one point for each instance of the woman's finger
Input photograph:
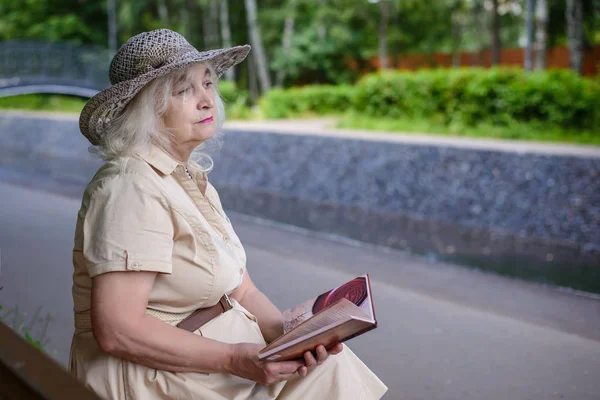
x,y
321,354
287,376
310,359
336,349
283,367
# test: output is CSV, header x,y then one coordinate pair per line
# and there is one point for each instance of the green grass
x,y
520,131
42,102
18,324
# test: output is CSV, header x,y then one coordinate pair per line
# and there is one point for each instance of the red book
x,y
335,316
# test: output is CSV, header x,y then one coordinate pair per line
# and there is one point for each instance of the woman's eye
x,y
183,91
208,84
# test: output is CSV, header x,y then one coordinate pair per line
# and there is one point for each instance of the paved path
x,y
445,332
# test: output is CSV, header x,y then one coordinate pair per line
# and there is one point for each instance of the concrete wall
x,y
532,215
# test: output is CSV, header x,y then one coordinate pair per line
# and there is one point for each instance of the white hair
x,y
141,123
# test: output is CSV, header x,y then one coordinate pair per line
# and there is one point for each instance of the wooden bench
x,y
26,373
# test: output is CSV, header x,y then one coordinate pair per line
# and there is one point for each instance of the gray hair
x,y
141,124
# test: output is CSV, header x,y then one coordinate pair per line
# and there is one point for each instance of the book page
x,y
367,306
333,316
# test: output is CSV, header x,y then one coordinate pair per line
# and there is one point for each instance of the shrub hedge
x,y
306,100
469,96
231,94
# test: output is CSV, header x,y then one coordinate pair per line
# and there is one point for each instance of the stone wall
x,y
532,215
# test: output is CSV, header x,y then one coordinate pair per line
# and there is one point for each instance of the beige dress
x,y
144,213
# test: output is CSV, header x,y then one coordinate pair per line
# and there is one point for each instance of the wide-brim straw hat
x,y
141,59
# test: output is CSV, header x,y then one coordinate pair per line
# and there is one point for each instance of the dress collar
x,y
159,159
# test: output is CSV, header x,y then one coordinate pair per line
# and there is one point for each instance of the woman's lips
x,y
206,120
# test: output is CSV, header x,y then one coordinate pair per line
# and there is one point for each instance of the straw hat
x,y
141,59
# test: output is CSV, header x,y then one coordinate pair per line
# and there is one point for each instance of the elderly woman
x,y
164,305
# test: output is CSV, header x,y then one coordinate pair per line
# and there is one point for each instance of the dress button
x,y
226,238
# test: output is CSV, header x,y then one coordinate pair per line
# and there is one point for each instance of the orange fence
x,y
557,57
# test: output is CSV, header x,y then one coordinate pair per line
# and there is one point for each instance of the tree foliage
x,y
57,20
326,33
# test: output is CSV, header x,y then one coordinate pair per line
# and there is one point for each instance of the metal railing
x,y
50,67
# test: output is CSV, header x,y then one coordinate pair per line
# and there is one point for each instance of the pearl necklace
x,y
187,171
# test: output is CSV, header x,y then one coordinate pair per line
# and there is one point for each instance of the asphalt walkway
x,y
445,332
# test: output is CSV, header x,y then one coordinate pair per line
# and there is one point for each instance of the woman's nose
x,y
206,101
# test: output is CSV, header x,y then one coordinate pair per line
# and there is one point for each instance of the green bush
x,y
558,98
43,102
307,100
231,94
237,101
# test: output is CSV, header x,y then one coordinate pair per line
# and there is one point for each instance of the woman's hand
x,y
245,363
322,355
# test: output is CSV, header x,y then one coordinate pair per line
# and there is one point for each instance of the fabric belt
x,y
202,315
189,321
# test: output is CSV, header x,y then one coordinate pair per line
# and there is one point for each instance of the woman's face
x,y
191,112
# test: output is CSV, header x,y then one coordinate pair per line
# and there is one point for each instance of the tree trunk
x,y
479,22
184,21
574,16
112,27
226,35
384,8
210,28
495,33
187,7
541,34
286,41
322,29
529,17
259,52
163,13
252,86
456,34
395,45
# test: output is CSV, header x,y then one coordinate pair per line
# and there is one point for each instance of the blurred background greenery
x,y
523,69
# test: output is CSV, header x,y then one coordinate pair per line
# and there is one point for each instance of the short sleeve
x,y
127,227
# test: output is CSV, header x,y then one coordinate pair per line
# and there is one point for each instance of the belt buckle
x,y
226,302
